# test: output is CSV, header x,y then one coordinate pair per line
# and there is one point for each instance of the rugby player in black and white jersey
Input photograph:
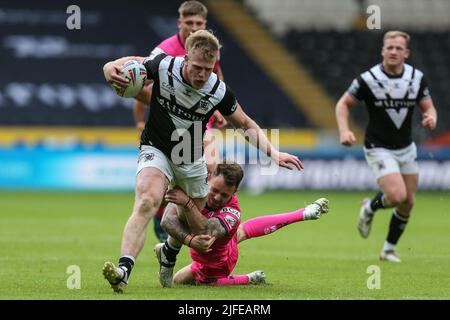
x,y
185,94
390,90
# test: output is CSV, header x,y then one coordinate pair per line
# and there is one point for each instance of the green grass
x,y
42,233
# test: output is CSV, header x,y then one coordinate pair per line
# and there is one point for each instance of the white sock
x,y
388,246
368,207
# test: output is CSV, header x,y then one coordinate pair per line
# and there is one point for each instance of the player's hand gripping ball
x,y
136,75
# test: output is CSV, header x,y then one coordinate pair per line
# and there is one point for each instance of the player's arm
x,y
255,136
347,101
178,229
112,70
429,113
194,218
197,222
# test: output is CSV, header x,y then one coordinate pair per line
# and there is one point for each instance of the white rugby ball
x,y
136,74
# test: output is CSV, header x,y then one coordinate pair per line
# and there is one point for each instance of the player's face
x,y
219,192
394,51
197,69
190,24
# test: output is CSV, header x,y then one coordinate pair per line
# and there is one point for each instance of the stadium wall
x,y
113,169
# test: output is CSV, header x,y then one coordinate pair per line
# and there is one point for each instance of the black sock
x,y
377,202
396,227
127,264
170,252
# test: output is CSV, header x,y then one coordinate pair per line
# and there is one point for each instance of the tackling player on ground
x,y
214,232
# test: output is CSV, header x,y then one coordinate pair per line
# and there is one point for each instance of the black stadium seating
x,y
335,58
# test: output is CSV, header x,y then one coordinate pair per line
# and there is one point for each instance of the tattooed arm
x,y
197,223
176,228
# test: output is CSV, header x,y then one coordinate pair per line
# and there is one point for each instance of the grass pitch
x,y
43,233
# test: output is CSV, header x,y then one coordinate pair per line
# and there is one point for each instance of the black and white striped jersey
x,y
178,112
390,102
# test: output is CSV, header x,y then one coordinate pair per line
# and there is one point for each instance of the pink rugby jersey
x,y
229,216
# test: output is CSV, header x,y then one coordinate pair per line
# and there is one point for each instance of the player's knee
x,y
147,205
407,206
396,197
177,279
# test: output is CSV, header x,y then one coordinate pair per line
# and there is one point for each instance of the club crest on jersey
x,y
381,165
204,105
146,157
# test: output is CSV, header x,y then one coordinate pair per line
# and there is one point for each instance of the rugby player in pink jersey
x,y
213,233
192,17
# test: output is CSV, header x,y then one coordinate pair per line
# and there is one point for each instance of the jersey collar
x,y
397,76
180,40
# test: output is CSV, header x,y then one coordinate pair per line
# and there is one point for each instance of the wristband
x,y
190,204
188,243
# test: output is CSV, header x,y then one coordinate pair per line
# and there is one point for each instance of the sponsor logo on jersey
x,y
187,92
178,111
396,104
231,210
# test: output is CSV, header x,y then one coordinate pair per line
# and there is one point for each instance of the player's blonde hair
x,y
396,33
205,42
192,8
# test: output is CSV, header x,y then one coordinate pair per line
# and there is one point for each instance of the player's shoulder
x,y
155,58
169,42
412,71
374,70
172,46
232,206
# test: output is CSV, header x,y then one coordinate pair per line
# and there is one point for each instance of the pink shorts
x,y
213,270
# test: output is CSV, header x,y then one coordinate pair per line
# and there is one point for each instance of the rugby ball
x,y
136,74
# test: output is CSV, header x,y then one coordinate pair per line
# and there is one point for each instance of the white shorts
x,y
192,178
385,161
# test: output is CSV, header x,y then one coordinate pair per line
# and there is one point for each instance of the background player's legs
x,y
400,218
394,190
160,234
394,193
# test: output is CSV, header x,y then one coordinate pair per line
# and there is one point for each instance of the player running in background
x,y
214,232
390,91
192,17
185,94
